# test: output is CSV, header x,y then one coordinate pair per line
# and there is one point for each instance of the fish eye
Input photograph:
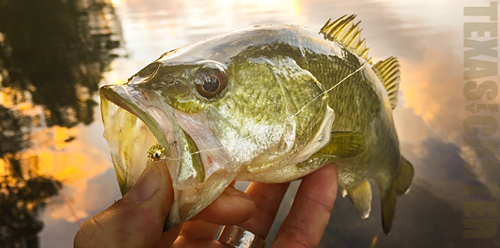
x,y
210,82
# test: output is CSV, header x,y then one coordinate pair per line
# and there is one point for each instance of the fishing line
x,y
323,93
293,115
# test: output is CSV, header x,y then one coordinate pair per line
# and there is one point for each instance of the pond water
x,y
55,168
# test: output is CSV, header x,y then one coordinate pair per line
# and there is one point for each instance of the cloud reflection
x,y
73,164
433,89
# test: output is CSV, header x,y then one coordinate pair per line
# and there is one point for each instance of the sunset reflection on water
x,y
52,131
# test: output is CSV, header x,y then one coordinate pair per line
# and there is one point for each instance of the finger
x,y
199,229
183,242
310,212
168,237
137,219
267,199
231,207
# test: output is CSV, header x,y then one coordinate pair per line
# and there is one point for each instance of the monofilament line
x,y
302,108
333,87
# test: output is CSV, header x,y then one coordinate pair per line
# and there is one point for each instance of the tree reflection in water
x,y
52,56
21,199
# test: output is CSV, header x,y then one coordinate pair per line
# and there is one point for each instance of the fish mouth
x,y
134,121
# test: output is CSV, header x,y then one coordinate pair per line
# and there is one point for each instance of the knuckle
x,y
319,203
88,233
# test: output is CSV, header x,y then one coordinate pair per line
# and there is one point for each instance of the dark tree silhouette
x,y
13,138
56,51
21,201
52,54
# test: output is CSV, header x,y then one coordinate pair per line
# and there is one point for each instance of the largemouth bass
x,y
269,103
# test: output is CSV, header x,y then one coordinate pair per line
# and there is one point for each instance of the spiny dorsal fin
x,y
346,32
388,73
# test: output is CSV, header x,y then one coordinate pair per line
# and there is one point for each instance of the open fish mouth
x,y
136,120
133,123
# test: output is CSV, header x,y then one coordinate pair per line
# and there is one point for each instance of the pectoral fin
x,y
361,197
344,144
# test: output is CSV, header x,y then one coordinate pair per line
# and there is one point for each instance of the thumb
x,y
137,219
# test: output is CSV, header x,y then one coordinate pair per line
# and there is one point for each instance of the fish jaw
x,y
126,124
136,119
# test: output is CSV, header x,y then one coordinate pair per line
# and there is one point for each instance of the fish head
x,y
205,119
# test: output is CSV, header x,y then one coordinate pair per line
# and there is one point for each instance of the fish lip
x,y
120,96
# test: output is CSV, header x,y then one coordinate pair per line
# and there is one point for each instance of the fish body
x,y
269,103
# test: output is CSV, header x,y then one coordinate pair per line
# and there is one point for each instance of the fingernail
x,y
146,186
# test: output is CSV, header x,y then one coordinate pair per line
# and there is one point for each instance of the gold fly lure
x,y
156,152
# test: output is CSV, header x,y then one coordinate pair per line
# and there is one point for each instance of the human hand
x,y
309,215
137,219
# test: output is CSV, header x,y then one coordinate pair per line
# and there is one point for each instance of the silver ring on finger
x,y
237,237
